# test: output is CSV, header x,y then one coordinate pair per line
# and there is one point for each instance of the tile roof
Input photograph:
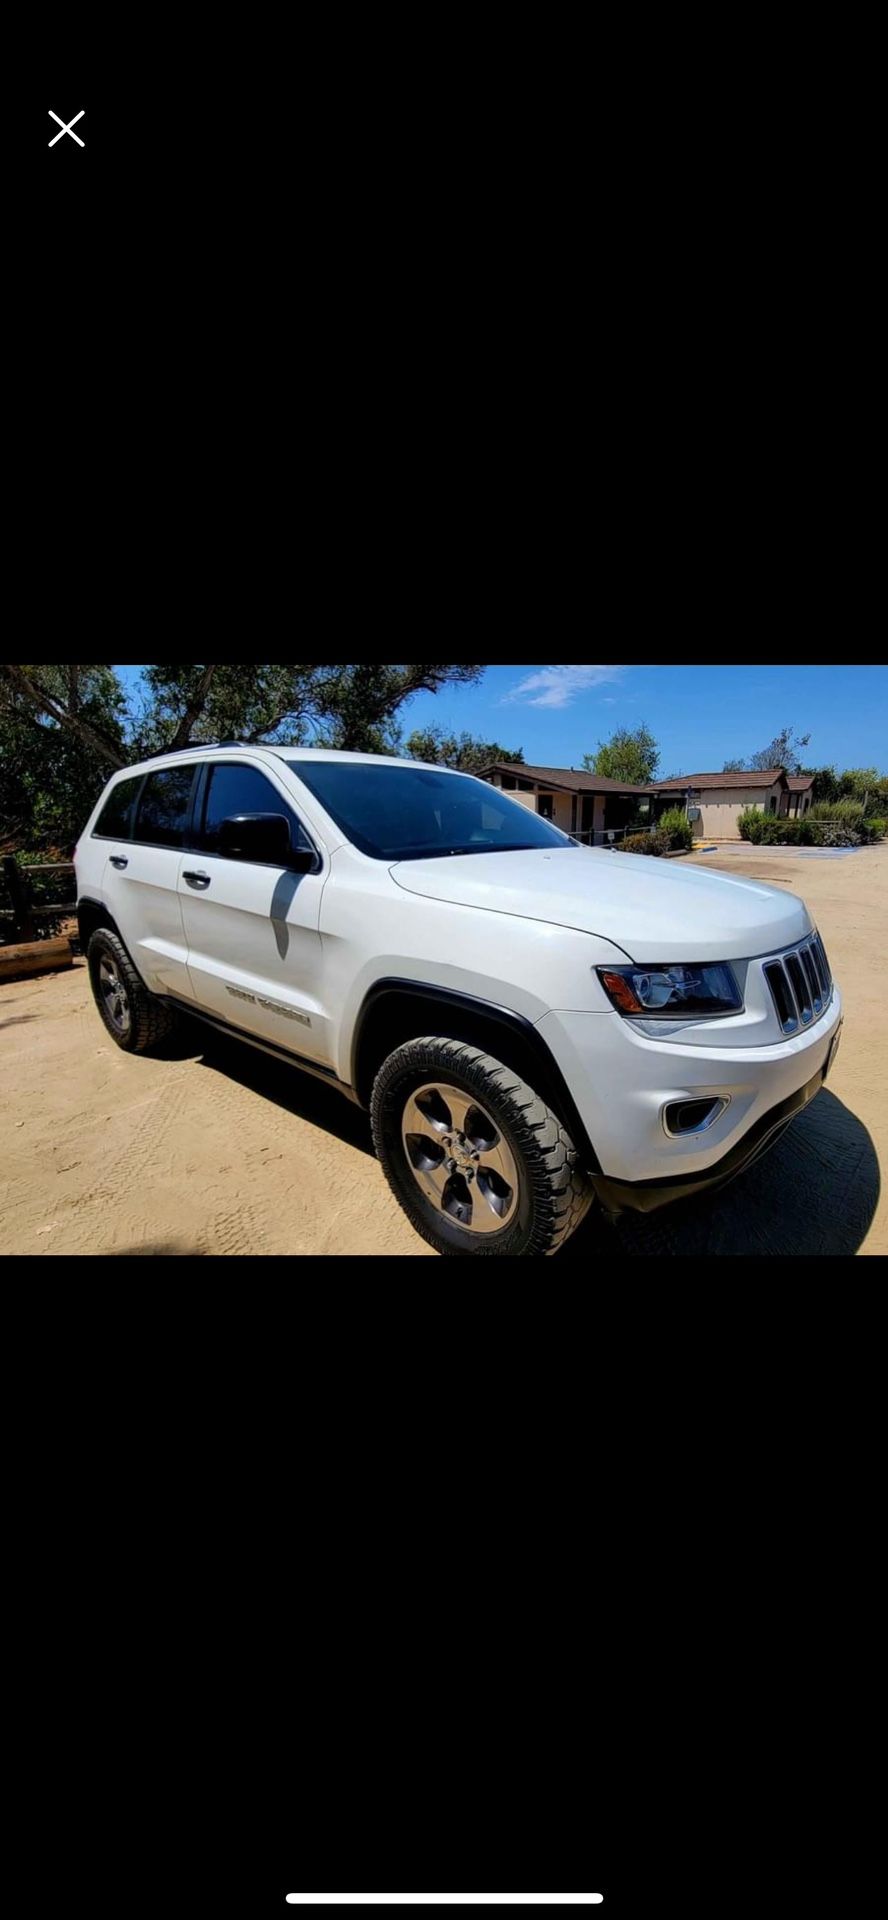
x,y
799,782
563,777
572,782
706,781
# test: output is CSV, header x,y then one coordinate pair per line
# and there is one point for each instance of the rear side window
x,y
236,789
116,818
164,812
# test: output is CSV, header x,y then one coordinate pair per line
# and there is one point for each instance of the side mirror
x,y
265,839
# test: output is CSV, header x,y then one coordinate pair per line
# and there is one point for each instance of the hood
x,y
653,909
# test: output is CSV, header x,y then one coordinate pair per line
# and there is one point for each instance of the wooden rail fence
x,y
26,913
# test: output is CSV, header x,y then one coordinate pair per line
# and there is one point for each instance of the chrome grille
x,y
801,984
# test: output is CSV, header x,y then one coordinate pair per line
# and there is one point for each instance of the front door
x,y
140,880
255,955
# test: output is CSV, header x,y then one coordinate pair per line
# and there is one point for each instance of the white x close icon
x,y
67,129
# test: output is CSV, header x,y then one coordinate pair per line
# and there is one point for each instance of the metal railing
x,y
602,836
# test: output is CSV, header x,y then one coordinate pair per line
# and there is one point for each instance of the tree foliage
x,y
357,707
188,704
865,784
52,768
630,755
463,751
782,751
65,729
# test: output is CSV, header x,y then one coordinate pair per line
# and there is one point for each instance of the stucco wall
x,y
561,811
720,808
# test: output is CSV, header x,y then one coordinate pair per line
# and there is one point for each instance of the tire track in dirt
x,y
127,1171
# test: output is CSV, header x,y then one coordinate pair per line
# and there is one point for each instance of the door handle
x,y
118,860
195,879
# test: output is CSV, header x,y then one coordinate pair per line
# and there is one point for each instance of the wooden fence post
x,y
21,896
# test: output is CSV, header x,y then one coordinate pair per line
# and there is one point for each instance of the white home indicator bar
x,y
445,1899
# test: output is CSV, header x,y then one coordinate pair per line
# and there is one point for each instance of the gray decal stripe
x,y
271,1006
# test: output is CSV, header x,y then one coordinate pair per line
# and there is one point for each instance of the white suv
x,y
529,1022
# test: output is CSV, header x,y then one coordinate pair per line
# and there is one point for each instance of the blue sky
x,y
701,716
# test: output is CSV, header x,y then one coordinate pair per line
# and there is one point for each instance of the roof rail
x,y
202,746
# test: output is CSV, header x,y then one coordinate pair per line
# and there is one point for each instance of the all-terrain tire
x,y
135,1019
554,1191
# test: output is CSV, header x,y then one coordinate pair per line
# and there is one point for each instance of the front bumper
x,y
621,1083
643,1196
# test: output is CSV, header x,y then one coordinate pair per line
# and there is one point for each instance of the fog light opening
x,y
692,1116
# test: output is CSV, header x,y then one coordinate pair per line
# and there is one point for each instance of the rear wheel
x,y
477,1160
132,1015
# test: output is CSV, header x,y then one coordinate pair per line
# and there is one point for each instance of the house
x,y
720,797
801,787
581,803
597,809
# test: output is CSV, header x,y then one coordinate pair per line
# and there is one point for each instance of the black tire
x,y
141,1020
553,1191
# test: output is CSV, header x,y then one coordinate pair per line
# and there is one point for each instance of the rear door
x,y
140,880
255,955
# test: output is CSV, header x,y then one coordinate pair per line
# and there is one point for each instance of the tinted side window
x,y
116,818
238,789
165,808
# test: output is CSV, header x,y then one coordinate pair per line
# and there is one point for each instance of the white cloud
x,y
559,686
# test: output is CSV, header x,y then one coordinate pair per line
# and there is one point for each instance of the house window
x,y
545,805
509,783
772,803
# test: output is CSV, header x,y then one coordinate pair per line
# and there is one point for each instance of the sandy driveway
x,y
216,1149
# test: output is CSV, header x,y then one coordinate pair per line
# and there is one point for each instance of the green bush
x,y
750,823
656,843
833,834
675,823
834,823
849,812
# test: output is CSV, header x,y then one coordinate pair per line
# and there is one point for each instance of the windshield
x,y
418,813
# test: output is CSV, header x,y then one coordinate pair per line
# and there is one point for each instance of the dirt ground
x,y
215,1149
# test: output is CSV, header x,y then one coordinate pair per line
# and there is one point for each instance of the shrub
x,y
656,843
849,812
833,834
876,829
675,823
750,823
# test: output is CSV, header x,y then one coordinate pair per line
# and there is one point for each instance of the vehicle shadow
x,y
275,1080
154,1248
815,1193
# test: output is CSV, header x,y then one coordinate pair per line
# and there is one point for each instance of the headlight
x,y
671,993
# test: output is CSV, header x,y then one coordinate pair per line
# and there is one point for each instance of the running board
x,y
230,1031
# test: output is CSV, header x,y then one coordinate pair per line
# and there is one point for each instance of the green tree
x,y
633,756
734,766
357,707
782,751
184,705
462,751
64,729
62,733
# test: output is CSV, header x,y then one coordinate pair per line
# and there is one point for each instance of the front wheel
x,y
477,1160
